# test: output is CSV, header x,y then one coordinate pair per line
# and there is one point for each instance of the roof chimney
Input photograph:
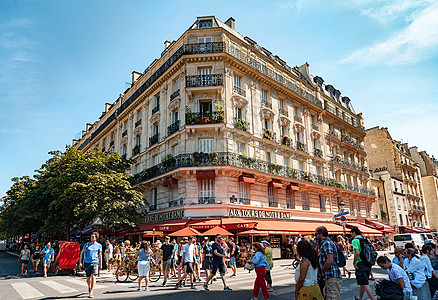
x,y
166,44
230,22
135,76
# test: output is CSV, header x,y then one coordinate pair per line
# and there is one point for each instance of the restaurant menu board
x,y
275,242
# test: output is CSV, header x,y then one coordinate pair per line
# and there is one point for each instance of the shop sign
x,y
171,215
262,214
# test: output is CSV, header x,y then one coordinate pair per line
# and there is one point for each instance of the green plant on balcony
x,y
136,150
307,177
198,157
268,134
301,147
212,157
338,183
219,106
146,173
247,161
167,157
240,124
274,168
292,173
383,214
285,140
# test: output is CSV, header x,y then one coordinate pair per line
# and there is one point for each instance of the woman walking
x,y
343,246
260,264
143,265
24,259
306,275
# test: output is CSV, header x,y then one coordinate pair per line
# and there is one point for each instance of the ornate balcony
x,y
153,140
283,112
269,134
265,103
204,80
204,118
332,133
199,48
174,203
345,138
207,200
301,146
306,206
174,95
241,124
152,207
290,204
273,203
124,133
318,153
285,140
155,109
174,127
298,119
245,201
136,150
138,123
238,90
315,127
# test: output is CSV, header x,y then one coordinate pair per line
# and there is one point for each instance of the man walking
x,y
167,253
92,262
49,256
217,263
362,270
233,255
327,262
208,256
188,259
108,254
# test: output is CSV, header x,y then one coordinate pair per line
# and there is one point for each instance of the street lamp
x,y
341,208
410,221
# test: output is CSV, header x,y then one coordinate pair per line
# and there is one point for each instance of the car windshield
x,y
402,238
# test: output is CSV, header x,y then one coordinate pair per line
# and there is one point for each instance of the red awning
x,y
275,184
295,227
227,223
205,175
385,228
170,181
168,226
293,187
187,231
366,231
246,178
217,230
253,232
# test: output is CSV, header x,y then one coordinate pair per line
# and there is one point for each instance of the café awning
x,y
217,230
296,227
385,228
187,231
253,232
227,223
167,226
366,231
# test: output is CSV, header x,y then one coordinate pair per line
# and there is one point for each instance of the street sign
x,y
343,223
343,218
342,214
97,221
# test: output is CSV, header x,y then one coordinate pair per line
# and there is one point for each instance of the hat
x,y
206,238
265,241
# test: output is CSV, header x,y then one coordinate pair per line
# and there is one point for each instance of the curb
x,y
13,253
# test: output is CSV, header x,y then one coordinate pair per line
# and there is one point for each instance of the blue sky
x,y
60,61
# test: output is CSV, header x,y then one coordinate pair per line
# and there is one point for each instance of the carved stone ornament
x,y
155,117
164,89
315,134
298,127
174,104
267,113
320,118
306,112
239,101
124,140
284,121
253,85
137,130
228,72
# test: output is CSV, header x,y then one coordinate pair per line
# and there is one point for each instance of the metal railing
x,y
298,119
204,80
269,134
301,146
283,112
238,90
174,127
265,103
174,203
305,206
155,109
206,200
241,124
351,141
136,149
286,140
245,201
204,118
138,123
332,133
272,203
174,95
153,139
290,204
318,153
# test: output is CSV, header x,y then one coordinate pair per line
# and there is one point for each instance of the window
x,y
204,39
205,145
296,111
139,115
281,103
286,161
407,220
155,129
241,148
304,202
157,101
176,85
204,72
205,106
312,118
123,151
174,116
290,199
264,95
237,81
404,204
103,143
378,192
268,156
235,50
206,190
239,114
243,190
322,202
175,151
267,123
174,193
155,160
205,23
301,165
284,130
271,195
137,140
318,170
398,203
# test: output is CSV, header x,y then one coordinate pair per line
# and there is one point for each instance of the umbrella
x,y
217,230
186,232
253,232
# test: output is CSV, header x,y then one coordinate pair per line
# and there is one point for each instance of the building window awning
x,y
295,227
246,178
170,181
275,184
293,187
385,228
205,175
366,231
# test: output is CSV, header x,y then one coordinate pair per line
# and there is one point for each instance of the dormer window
x,y
205,23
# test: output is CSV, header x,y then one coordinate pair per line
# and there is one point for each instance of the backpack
x,y
368,253
389,290
341,261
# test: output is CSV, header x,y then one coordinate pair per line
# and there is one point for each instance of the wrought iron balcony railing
x,y
155,109
332,133
245,201
283,112
241,124
272,203
204,80
265,103
207,200
215,117
174,203
138,123
286,140
351,141
318,153
124,133
199,48
174,127
306,206
238,90
298,119
301,146
269,134
242,161
153,139
174,95
290,204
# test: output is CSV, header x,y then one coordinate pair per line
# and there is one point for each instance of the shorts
x,y
24,261
189,267
220,266
108,257
167,264
143,267
91,269
178,262
46,263
35,262
362,274
232,261
206,264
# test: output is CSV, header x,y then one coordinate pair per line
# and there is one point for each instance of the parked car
x,y
416,239
2,245
428,238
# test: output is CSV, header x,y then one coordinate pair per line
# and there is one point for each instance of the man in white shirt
x,y
188,259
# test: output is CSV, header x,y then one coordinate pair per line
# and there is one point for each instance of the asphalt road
x,y
13,287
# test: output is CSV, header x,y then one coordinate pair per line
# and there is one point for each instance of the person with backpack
x,y
343,247
362,262
328,259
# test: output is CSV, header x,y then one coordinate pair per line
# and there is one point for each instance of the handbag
x,y
249,266
389,290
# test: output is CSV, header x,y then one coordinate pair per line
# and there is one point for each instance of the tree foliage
x,y
72,187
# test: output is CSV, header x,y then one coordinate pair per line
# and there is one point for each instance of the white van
x,y
2,245
417,239
428,238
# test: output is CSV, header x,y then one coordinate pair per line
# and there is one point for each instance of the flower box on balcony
x,y
285,140
269,134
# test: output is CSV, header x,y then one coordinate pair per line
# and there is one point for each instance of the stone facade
x,y
391,161
220,120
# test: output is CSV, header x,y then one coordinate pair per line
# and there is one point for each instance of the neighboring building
x,y
391,161
429,179
220,127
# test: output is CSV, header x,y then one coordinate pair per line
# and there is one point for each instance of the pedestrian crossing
x,y
26,291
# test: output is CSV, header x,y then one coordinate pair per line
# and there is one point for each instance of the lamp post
x,y
410,221
341,208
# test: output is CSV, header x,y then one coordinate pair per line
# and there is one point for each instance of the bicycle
x,y
294,264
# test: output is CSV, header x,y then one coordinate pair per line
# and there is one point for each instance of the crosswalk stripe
x,y
63,289
26,291
83,283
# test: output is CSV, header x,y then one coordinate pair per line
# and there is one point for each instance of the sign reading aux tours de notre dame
x,y
249,213
171,215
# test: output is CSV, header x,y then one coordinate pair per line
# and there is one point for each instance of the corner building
x,y
222,129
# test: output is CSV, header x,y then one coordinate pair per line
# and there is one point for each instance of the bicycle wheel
x,y
122,274
133,274
155,273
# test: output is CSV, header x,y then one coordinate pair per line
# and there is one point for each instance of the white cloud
x,y
417,42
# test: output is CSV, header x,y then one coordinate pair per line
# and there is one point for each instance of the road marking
x,y
83,283
26,291
63,289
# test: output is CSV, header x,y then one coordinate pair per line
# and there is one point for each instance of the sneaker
x,y
234,275
45,275
138,290
205,287
227,289
193,287
146,289
164,283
